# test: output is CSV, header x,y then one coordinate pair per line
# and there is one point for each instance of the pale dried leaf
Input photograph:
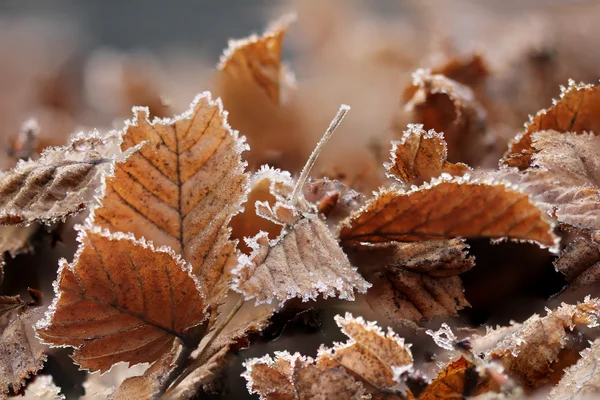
x,y
181,188
528,353
582,380
44,388
576,111
444,105
421,155
21,354
305,261
121,299
449,208
421,282
376,358
63,181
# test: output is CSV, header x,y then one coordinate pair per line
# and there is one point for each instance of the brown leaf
x,y
421,282
256,89
181,188
377,359
421,155
257,60
334,200
449,208
121,299
579,262
582,380
62,182
99,386
444,105
576,111
10,303
21,354
458,379
564,178
528,353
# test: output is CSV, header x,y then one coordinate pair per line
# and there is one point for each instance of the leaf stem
x,y
297,196
218,329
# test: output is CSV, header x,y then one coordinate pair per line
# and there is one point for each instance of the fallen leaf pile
x,y
194,238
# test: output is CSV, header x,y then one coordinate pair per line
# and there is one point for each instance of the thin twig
x,y
297,196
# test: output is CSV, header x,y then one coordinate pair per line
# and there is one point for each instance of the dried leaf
x,y
181,188
100,386
21,354
576,111
458,379
62,182
304,261
121,299
579,262
447,106
528,353
421,155
582,380
334,200
421,282
445,209
257,60
377,359
564,178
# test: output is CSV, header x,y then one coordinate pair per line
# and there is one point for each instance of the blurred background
x,y
81,65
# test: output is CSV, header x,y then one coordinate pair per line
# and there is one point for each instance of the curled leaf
x,y
449,208
576,111
63,181
421,155
181,188
121,299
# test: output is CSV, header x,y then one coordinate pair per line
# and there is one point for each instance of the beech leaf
x,y
181,188
63,181
121,299
421,155
449,208
582,380
579,262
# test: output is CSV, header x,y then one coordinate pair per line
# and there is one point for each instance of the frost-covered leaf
x,y
579,262
99,386
181,188
375,359
576,111
564,177
63,181
421,281
421,155
21,354
529,352
335,200
582,380
449,208
446,106
121,299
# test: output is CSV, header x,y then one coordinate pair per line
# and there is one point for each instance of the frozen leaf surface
x,y
582,380
43,388
181,188
21,354
121,300
421,155
63,181
373,357
449,208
